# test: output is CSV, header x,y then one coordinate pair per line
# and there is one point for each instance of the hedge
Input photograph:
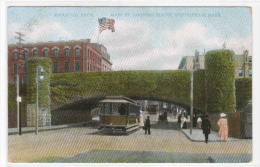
x,y
220,81
243,92
199,89
168,85
44,86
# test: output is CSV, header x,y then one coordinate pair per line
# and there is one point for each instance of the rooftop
x,y
61,42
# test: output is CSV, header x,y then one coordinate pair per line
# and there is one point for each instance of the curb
x,y
54,128
192,140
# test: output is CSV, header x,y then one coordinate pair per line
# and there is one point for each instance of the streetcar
x,y
119,114
152,108
163,115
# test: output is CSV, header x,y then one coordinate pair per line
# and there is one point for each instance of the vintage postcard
x,y
129,84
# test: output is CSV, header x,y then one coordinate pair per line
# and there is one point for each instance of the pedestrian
x,y
223,127
195,120
179,119
199,121
183,122
206,126
141,120
147,125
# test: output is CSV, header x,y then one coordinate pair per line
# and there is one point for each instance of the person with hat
x,y
147,125
199,121
223,127
206,126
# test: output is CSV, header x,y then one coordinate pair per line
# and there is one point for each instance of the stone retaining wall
x,y
59,117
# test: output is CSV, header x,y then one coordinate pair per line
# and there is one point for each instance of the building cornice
x,y
50,43
107,60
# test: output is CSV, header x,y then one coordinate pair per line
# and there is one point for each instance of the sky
x,y
145,38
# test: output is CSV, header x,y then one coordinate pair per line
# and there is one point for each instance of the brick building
x,y
106,64
66,56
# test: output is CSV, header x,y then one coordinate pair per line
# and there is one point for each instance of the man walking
x,y
195,120
206,126
147,125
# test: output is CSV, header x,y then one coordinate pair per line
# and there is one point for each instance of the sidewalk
x,y
13,131
198,136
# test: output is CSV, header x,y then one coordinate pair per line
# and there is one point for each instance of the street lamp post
x,y
38,78
191,102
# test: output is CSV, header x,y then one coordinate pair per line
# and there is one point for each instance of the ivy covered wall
x,y
243,92
44,85
168,85
199,96
215,88
220,81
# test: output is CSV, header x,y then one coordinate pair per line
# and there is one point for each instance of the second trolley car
x,y
152,108
119,114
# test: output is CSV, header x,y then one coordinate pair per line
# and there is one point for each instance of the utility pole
x,y
20,38
191,102
18,80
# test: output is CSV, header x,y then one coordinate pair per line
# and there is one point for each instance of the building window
x,y
55,67
55,53
15,55
26,54
67,67
35,53
240,72
15,80
77,66
25,80
67,52
45,52
196,59
250,73
15,68
250,59
77,52
25,68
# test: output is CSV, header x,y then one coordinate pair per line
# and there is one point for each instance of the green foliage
x,y
220,81
44,86
12,103
168,85
243,92
12,97
199,90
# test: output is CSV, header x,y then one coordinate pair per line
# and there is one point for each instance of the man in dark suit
x,y
206,126
147,125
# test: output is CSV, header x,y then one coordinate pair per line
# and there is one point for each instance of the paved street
x,y
86,144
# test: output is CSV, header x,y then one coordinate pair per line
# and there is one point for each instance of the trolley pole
x,y
191,102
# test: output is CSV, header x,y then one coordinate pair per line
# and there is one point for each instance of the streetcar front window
x,y
115,107
105,108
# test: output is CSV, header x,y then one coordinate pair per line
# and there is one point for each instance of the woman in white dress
x,y
199,121
141,119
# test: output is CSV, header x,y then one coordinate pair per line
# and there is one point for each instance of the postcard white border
x,y
3,67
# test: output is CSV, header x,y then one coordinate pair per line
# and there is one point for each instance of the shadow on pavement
x,y
102,133
165,125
